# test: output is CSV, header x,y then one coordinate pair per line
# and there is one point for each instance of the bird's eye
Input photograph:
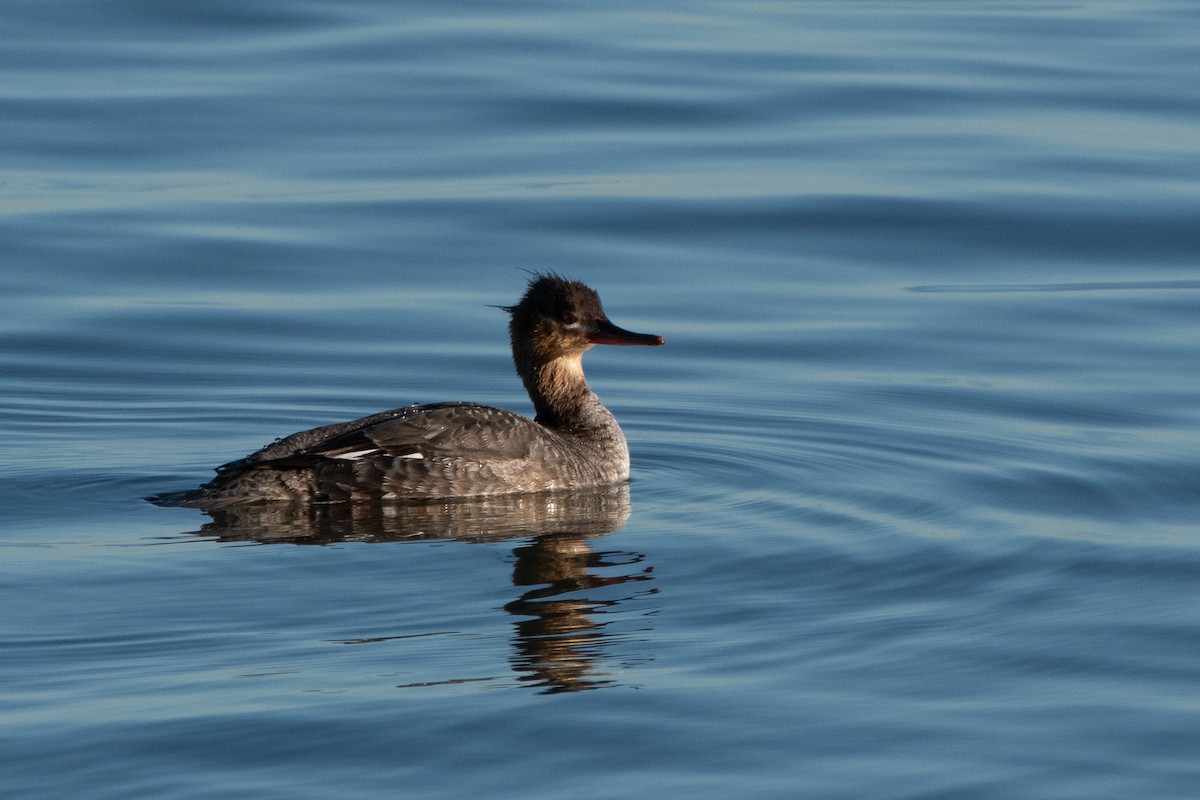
x,y
568,318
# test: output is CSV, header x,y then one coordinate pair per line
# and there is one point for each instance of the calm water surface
x,y
916,484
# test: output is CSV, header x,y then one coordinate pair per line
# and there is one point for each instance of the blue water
x,y
916,490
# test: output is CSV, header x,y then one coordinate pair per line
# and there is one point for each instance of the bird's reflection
x,y
559,644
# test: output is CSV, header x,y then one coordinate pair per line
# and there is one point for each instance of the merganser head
x,y
561,318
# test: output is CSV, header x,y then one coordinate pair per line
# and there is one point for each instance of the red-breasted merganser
x,y
446,450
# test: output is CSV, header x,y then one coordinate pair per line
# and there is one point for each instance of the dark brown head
x,y
557,317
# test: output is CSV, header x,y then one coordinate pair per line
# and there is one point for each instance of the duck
x,y
440,451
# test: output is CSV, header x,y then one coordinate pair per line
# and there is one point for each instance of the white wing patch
x,y
353,454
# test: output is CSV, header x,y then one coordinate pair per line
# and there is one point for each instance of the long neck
x,y
561,395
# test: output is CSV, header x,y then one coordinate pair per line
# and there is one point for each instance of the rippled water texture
x,y
916,477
